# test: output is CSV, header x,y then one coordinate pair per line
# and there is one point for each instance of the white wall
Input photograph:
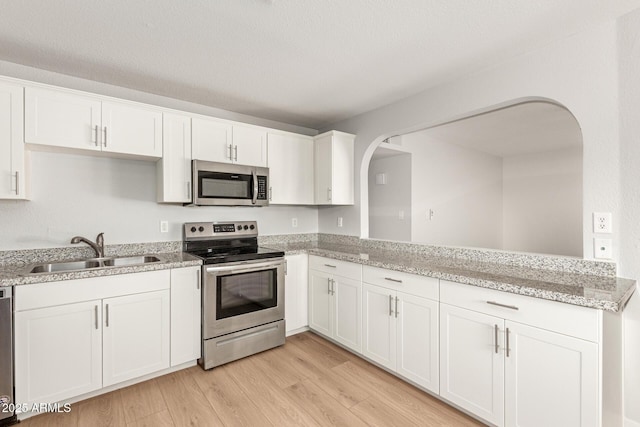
x,y
542,202
463,188
578,72
84,195
629,224
386,201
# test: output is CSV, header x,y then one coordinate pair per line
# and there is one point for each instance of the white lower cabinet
x,y
78,336
186,317
58,352
513,374
296,292
335,302
400,330
135,337
471,362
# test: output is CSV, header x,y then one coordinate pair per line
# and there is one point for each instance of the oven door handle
x,y
244,268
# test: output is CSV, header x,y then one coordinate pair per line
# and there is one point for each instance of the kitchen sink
x,y
65,266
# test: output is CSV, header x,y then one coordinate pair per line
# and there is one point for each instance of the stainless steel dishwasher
x,y
6,357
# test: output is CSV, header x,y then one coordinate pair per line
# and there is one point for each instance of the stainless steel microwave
x,y
223,184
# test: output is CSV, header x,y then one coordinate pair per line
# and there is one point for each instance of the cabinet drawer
x,y
70,291
580,322
422,286
333,266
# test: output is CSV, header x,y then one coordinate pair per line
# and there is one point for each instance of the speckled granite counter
x,y
600,292
15,263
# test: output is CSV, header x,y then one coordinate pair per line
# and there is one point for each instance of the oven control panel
x,y
220,230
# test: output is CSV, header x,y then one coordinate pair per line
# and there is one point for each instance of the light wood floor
x,y
307,382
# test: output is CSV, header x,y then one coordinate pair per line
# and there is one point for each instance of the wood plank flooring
x,y
307,382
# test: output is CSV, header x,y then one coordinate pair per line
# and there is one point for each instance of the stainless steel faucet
x,y
98,246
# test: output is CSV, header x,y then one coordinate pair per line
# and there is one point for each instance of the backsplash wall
x,y
83,195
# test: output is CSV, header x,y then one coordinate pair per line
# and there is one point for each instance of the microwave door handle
x,y
255,187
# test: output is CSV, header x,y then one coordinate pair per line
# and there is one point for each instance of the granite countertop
x,y
15,273
600,292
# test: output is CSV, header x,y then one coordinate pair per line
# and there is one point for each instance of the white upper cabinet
x,y
249,146
223,141
174,168
334,168
211,140
12,160
130,129
290,159
61,119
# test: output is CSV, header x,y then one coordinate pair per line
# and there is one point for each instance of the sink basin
x,y
54,267
129,260
65,266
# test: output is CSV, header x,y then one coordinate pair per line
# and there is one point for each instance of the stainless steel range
x,y
242,291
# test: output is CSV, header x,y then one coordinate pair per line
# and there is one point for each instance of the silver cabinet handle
x,y
397,307
329,286
333,287
329,265
393,280
285,267
507,342
270,193
107,314
188,190
235,149
495,337
230,147
329,194
95,130
512,307
96,313
198,277
105,136
17,182
390,305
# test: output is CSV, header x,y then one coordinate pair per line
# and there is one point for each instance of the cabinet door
x,y
347,295
472,362
130,129
417,342
186,308
551,371
290,160
211,140
296,291
342,170
12,171
323,171
136,335
249,146
320,303
174,169
58,352
379,325
61,119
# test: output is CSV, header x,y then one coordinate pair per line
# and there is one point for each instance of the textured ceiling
x,y
304,62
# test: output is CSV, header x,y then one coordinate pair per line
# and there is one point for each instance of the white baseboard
x,y
631,423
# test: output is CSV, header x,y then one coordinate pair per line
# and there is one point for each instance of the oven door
x,y
242,295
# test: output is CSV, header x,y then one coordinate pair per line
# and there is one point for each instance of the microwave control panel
x,y
262,187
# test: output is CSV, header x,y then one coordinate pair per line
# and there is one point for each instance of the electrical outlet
x,y
294,222
164,226
602,248
339,221
602,222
